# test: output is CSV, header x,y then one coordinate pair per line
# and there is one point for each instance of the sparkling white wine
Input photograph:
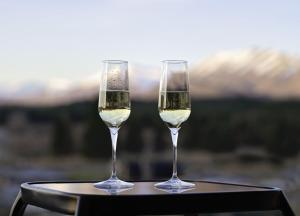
x,y
174,107
114,107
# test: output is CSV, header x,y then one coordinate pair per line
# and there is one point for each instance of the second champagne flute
x,y
174,106
114,109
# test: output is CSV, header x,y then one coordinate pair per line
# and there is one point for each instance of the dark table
x,y
83,199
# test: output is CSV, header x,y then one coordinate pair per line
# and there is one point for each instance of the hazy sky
x,y
46,39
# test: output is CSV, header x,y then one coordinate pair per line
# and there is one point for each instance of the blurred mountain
x,y
250,73
52,93
242,73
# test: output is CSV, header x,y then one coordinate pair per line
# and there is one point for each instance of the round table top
x,y
83,198
141,188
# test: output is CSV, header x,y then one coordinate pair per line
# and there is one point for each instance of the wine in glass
x,y
174,107
114,109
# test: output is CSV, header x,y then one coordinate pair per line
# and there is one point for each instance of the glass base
x,y
174,183
113,183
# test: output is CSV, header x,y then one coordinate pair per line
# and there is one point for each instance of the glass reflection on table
x,y
175,190
114,191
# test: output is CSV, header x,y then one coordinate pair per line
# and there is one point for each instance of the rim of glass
x,y
114,61
174,61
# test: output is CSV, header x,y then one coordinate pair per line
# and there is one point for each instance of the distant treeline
x,y
217,125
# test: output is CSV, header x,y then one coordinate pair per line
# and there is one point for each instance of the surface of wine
x,y
174,107
114,107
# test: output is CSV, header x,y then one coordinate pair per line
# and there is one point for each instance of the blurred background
x,y
244,62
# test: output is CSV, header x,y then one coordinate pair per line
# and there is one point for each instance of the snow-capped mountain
x,y
252,73
60,91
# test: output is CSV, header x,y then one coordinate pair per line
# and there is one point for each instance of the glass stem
x,y
114,138
174,134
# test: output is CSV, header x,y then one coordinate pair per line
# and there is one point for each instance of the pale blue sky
x,y
46,39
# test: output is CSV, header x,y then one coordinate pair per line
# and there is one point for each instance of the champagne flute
x,y
114,109
174,107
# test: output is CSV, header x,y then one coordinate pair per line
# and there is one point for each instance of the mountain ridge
x,y
258,73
